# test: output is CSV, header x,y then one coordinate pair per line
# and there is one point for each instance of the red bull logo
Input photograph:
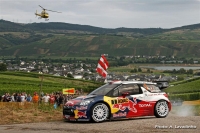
x,y
126,104
80,114
120,114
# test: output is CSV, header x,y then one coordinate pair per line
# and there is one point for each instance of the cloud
x,y
107,13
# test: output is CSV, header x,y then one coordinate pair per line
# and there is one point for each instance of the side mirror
x,y
124,94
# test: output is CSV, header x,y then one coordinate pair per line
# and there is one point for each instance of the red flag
x,y
102,66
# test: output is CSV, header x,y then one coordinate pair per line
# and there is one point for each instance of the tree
x,y
139,70
134,70
174,71
3,67
69,75
122,58
182,71
191,61
85,74
180,78
84,66
93,70
190,71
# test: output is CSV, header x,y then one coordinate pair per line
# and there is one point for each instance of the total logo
x,y
144,105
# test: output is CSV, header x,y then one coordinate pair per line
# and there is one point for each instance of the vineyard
x,y
186,90
187,87
31,82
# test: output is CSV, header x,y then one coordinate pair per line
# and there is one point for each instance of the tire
x,y
161,109
100,112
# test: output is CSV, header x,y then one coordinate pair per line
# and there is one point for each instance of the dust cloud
x,y
184,110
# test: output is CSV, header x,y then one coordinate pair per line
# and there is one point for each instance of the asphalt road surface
x,y
172,123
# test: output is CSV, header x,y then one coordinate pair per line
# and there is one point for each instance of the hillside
x,y
71,40
58,27
30,82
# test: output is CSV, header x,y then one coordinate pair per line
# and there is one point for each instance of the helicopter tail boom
x,y
36,14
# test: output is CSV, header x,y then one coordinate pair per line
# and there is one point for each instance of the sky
x,y
106,13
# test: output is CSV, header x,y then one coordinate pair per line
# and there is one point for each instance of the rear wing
x,y
162,84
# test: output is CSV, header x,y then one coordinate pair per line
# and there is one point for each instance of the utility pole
x,y
41,77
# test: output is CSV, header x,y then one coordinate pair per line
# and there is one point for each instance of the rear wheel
x,y
161,109
100,112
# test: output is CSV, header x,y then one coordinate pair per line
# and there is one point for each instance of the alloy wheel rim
x,y
100,112
162,108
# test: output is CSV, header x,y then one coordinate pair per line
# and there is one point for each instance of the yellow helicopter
x,y
44,14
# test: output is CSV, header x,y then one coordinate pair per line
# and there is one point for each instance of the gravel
x,y
171,123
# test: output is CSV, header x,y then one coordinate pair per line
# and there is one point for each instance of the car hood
x,y
77,100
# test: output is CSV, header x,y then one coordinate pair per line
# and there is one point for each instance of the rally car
x,y
119,99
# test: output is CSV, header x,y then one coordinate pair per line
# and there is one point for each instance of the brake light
x,y
166,95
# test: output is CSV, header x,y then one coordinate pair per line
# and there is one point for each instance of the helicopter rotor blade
x,y
49,10
53,11
42,7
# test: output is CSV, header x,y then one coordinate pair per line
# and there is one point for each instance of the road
x,y
171,123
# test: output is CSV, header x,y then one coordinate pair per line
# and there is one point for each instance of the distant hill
x,y
6,26
63,40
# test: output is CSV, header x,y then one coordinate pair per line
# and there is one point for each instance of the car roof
x,y
131,82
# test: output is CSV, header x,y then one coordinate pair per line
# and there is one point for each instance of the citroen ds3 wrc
x,y
119,99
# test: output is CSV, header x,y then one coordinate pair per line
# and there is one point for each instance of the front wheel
x,y
100,112
161,109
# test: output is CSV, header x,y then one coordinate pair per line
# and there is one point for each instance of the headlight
x,y
86,102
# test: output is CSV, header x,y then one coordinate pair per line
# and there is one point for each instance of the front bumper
x,y
75,113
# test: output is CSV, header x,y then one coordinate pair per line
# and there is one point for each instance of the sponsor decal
x,y
72,102
80,114
81,108
144,105
120,114
123,103
120,100
154,94
83,119
67,116
72,119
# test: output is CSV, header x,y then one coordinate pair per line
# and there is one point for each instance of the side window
x,y
116,93
132,89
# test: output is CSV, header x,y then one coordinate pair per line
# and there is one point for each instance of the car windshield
x,y
103,90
